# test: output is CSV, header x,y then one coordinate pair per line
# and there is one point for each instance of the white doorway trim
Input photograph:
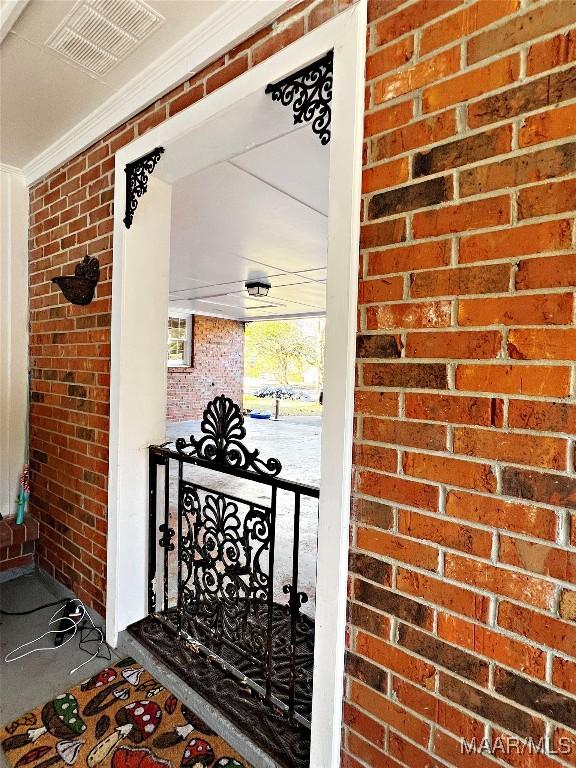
x,y
132,429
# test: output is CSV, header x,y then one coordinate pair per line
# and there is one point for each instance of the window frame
x,y
188,361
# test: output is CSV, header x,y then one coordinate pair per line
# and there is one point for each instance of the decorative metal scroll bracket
x,y
309,91
224,431
137,174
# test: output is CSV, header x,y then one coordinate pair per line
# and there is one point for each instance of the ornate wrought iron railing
x,y
212,554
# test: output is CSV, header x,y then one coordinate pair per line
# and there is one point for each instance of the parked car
x,y
281,393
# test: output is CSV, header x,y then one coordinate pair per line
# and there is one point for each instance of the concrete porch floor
x,y
37,678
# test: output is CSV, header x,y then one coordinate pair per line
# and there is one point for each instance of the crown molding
x,y
227,26
11,169
10,10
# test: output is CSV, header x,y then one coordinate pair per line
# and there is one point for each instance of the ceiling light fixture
x,y
257,287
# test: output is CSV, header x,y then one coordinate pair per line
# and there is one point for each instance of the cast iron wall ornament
x,y
309,91
79,288
137,174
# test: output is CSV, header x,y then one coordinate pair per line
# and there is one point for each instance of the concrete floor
x,y
37,678
296,443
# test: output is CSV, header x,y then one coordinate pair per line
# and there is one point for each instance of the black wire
x,y
103,651
33,610
84,630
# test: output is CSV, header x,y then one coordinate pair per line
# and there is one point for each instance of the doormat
x,y
120,718
288,743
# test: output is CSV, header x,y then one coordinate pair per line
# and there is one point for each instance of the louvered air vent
x,y
97,34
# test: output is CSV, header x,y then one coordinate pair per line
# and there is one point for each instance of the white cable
x,y
74,628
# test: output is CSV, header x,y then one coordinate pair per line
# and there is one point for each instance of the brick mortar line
x,y
534,363
444,454
488,462
445,17
566,437
508,499
457,737
560,290
466,393
544,219
483,195
481,527
475,99
500,361
471,588
495,628
486,560
523,47
462,130
494,694
527,642
382,750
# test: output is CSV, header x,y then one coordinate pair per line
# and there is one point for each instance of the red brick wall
x,y
17,543
463,563
462,599
218,369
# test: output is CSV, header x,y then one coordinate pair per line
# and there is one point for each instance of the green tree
x,y
279,347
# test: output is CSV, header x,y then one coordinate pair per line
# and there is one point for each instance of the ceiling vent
x,y
98,34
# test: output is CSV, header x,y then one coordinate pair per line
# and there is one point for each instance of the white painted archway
x,y
139,312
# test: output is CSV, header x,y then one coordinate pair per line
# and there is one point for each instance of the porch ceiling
x,y
262,213
45,96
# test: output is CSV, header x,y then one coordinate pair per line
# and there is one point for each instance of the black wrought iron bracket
x,y
137,174
224,431
309,91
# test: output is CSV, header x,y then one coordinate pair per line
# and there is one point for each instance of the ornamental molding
x,y
309,92
137,174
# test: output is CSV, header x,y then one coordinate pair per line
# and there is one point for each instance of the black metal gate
x,y
212,569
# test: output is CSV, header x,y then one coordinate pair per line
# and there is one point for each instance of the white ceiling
x,y
262,213
43,95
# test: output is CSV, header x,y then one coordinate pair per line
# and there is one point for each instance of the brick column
x,y
462,600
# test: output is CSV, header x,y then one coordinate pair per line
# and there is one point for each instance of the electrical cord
x,y
34,610
77,625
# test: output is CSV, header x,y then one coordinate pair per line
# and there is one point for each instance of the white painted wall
x,y
13,332
138,378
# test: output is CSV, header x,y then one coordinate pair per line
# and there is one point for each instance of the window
x,y
180,341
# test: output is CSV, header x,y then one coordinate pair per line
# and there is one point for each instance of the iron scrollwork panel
x,y
225,582
222,445
309,91
137,174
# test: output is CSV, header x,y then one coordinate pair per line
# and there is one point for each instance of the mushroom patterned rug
x,y
120,718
